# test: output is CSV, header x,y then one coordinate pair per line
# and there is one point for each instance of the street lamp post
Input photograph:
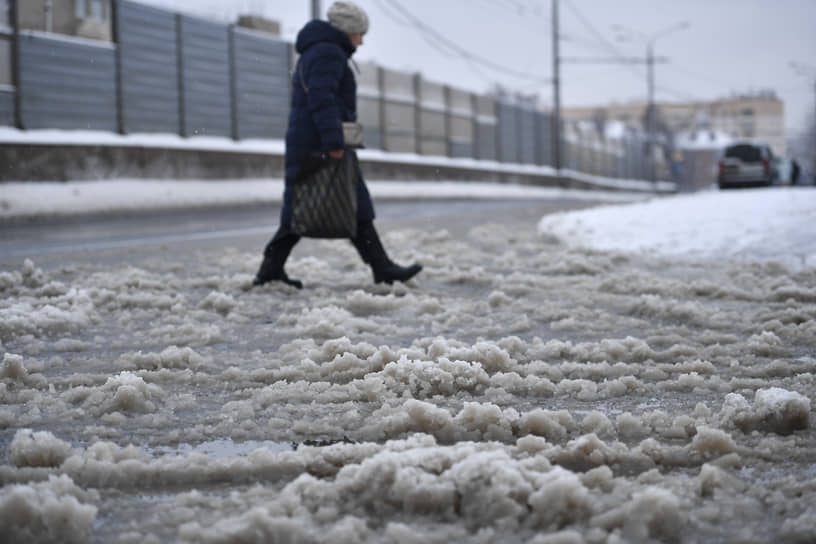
x,y
651,113
809,71
315,9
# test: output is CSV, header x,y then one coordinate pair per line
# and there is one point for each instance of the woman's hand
x,y
336,154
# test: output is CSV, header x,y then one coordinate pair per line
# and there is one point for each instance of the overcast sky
x,y
729,46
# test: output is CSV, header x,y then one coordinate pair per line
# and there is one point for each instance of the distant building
x,y
92,18
5,49
83,18
759,117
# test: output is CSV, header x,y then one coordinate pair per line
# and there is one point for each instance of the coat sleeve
x,y
322,78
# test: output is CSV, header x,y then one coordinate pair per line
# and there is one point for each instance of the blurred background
x,y
635,89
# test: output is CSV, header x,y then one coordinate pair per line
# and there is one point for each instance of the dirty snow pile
x,y
521,389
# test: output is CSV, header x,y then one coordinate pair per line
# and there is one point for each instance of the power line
x,y
443,43
609,46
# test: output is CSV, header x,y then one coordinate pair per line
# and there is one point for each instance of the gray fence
x,y
7,96
172,73
261,85
148,68
67,83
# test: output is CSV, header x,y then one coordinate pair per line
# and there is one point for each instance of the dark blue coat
x,y
324,94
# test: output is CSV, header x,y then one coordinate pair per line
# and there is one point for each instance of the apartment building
x,y
759,116
84,18
5,49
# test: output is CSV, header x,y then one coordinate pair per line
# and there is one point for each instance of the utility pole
x,y
315,9
48,8
651,114
16,76
651,109
809,71
556,118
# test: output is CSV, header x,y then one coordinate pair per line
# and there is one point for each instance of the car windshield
x,y
745,153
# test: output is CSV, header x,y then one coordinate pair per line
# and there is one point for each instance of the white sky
x,y
730,46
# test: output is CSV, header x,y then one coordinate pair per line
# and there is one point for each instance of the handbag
x,y
324,197
353,134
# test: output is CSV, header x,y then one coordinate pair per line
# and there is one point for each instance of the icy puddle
x,y
518,391
219,449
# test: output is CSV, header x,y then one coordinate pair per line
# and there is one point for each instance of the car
x,y
747,164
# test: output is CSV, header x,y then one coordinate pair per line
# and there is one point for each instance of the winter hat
x,y
348,17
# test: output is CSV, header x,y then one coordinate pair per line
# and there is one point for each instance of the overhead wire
x,y
607,45
441,43
618,57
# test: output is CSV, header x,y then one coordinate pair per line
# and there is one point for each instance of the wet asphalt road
x,y
130,236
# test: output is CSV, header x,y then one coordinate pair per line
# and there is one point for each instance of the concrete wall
x,y
40,162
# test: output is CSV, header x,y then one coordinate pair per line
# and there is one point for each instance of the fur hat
x,y
348,17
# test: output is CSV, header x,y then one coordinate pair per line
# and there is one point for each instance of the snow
x,y
702,140
751,224
641,371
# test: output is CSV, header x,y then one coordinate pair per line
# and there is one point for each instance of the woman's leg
x,y
373,253
275,255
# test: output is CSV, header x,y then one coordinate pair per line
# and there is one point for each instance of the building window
x,y
748,112
97,10
90,9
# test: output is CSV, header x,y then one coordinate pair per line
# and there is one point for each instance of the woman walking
x,y
324,95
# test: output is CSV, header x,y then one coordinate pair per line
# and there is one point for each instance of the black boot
x,y
275,255
373,253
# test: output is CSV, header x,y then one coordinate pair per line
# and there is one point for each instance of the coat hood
x,y
318,31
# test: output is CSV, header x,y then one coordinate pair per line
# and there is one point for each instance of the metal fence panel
x,y
544,141
5,58
148,56
432,132
400,127
527,139
462,136
508,133
67,83
205,78
7,93
262,85
369,115
486,142
399,111
462,150
6,108
369,104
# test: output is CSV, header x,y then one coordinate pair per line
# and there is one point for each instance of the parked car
x,y
747,164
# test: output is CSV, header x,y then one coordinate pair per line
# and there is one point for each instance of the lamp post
x,y
315,9
809,71
651,114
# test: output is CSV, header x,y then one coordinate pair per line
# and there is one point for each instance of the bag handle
x,y
302,81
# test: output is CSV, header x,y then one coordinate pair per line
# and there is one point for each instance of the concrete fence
x,y
166,72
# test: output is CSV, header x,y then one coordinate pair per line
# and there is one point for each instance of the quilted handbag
x,y
324,197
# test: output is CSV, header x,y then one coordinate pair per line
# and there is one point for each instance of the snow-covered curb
x,y
19,200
